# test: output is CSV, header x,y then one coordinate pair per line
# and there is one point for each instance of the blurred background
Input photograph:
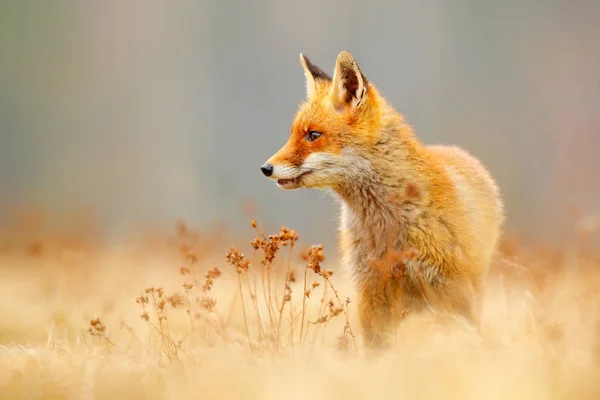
x,y
151,111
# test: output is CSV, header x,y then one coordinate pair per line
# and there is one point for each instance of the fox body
x,y
436,209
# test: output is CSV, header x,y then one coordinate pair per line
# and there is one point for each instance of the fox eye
x,y
313,135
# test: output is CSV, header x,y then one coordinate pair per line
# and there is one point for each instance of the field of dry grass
x,y
185,315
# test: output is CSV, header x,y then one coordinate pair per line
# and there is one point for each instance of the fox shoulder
x,y
475,187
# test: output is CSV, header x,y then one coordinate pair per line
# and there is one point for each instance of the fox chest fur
x,y
380,236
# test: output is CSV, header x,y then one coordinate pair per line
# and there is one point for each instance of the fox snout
x,y
286,176
267,169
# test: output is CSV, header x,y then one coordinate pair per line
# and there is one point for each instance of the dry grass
x,y
184,316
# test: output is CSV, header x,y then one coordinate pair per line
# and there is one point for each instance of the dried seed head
x,y
142,300
256,243
238,260
97,328
207,303
292,276
213,273
160,305
210,277
190,255
175,300
315,257
287,235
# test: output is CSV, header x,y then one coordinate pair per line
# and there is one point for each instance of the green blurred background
x,y
149,111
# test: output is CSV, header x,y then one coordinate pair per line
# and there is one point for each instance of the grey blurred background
x,y
154,110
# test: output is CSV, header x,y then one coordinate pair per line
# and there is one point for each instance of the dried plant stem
x,y
189,313
283,300
253,293
269,290
244,310
231,305
262,271
291,324
255,304
160,327
344,309
111,343
321,311
151,328
169,343
303,305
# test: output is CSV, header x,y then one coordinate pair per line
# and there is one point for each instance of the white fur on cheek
x,y
285,172
347,163
317,160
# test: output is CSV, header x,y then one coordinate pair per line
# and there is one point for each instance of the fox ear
x,y
313,75
349,84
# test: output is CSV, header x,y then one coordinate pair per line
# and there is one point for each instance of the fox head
x,y
331,131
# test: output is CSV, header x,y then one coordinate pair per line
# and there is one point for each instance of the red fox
x,y
348,138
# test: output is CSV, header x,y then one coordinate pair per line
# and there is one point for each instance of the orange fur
x,y
395,193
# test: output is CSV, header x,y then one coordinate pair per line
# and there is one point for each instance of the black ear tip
x,y
305,59
315,71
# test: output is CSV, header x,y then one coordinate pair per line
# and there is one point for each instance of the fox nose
x,y
267,169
